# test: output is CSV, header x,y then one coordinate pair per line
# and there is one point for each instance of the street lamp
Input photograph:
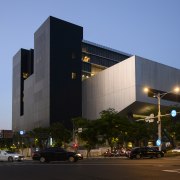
x,y
159,96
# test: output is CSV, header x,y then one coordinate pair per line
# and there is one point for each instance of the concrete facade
x,y
22,69
121,87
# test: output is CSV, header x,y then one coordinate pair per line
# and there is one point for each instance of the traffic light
x,y
75,145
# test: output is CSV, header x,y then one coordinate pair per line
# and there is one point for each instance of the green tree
x,y
90,132
60,134
40,136
90,135
139,134
113,126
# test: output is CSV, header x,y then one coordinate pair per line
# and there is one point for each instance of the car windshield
x,y
154,148
10,152
54,149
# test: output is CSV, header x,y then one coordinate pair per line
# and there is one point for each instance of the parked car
x,y
157,148
10,156
55,154
177,149
140,152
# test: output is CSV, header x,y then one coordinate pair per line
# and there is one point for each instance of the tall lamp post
x,y
159,119
159,96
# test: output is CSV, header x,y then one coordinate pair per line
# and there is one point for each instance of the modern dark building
x,y
66,77
47,81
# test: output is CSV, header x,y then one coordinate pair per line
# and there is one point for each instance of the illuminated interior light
x,y
86,59
25,75
73,76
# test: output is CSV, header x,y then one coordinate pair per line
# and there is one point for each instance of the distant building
x,y
65,77
6,134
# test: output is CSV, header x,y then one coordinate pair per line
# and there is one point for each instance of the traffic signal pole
x,y
159,120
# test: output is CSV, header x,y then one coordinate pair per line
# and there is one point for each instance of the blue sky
x,y
148,28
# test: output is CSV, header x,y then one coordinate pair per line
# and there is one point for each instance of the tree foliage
x,y
112,126
60,134
109,127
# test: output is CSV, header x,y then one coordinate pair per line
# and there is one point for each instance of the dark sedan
x,y
140,152
55,154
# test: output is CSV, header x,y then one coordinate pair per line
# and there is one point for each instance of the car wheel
x,y
138,156
159,156
71,159
19,160
10,159
42,159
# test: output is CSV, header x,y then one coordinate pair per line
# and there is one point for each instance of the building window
x,y
25,75
73,55
86,59
73,75
85,75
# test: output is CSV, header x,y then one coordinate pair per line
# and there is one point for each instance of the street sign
x,y
21,132
173,113
150,118
158,142
79,130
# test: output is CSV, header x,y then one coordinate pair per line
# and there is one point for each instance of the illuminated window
x,y
86,59
83,77
73,75
25,75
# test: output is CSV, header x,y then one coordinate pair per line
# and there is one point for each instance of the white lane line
x,y
172,170
79,164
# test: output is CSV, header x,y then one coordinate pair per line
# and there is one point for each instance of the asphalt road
x,y
94,169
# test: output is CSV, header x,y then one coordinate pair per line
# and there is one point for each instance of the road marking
x,y
76,164
172,170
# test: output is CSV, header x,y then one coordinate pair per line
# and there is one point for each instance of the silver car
x,y
10,156
177,149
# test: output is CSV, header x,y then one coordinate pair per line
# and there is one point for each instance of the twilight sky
x,y
147,28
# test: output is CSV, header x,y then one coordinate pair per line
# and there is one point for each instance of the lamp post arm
x,y
163,94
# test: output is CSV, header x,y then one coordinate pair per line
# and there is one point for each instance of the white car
x,y
10,156
177,149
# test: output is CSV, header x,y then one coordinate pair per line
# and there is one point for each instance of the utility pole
x,y
159,119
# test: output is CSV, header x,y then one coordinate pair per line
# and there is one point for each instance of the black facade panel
x,y
65,71
42,60
22,69
16,90
27,61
